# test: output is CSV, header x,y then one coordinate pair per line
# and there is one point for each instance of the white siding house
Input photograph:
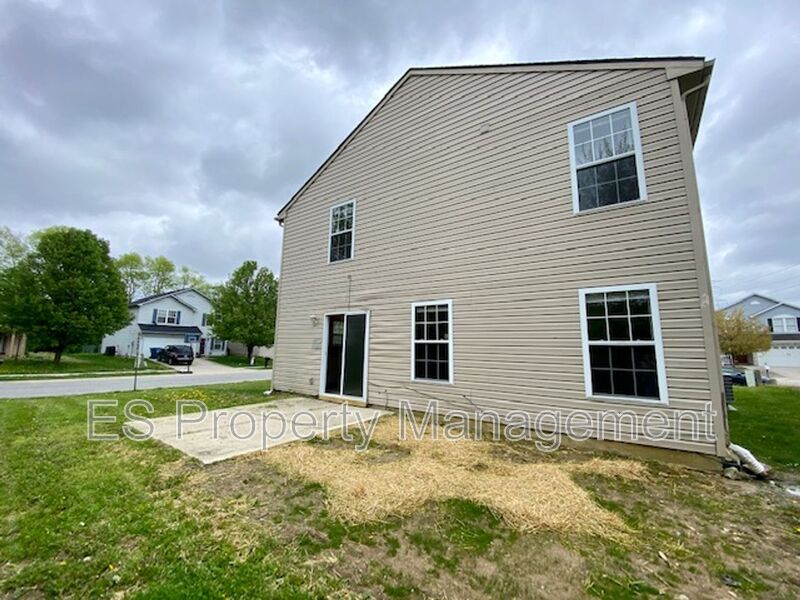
x,y
175,317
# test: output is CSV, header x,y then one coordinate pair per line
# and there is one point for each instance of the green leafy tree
x,y
739,335
133,273
13,248
244,307
66,292
160,275
188,277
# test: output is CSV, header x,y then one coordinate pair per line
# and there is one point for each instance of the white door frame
x,y
323,368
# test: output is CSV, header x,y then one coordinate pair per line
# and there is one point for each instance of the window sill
x,y
433,381
341,260
629,400
590,211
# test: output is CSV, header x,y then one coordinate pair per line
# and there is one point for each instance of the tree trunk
x,y
59,351
250,352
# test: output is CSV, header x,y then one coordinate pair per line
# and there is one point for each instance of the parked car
x,y
736,375
176,355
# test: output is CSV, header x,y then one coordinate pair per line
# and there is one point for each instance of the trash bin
x,y
154,353
111,350
728,386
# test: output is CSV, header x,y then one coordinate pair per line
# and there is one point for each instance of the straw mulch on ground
x,y
396,478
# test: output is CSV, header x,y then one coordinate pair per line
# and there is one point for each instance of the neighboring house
x,y
512,237
175,317
12,344
783,320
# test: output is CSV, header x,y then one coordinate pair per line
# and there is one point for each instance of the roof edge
x,y
740,300
397,84
580,64
152,298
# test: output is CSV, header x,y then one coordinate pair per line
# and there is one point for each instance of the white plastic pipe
x,y
750,461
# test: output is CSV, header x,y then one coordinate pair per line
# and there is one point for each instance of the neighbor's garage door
x,y
782,355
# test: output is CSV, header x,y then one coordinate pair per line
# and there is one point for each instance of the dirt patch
x,y
398,477
703,536
687,533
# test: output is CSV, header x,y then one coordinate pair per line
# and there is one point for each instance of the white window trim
x,y
783,319
451,357
655,314
165,313
352,230
637,151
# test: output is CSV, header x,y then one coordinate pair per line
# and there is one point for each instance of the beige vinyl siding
x,y
463,190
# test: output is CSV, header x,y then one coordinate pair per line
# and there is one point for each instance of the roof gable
x,y
757,304
175,294
676,66
782,309
756,300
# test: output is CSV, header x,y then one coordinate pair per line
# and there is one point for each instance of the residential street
x,y
203,373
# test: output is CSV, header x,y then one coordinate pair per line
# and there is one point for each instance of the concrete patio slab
x,y
228,432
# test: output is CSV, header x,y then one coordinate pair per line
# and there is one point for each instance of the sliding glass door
x,y
345,354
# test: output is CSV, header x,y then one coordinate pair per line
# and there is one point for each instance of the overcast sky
x,y
179,128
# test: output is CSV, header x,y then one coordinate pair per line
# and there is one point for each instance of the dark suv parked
x,y
176,355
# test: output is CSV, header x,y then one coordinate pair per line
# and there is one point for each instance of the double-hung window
x,y
167,317
432,341
606,159
784,324
622,348
342,231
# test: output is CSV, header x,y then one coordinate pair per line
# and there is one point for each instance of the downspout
x,y
694,125
699,86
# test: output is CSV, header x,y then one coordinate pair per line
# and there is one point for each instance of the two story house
x,y
177,317
511,237
783,320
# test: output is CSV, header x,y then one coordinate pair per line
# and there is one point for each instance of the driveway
x,y
786,376
203,366
203,373
227,432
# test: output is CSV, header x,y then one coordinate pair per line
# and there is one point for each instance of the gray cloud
x,y
181,127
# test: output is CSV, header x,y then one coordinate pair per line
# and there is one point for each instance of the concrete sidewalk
x,y
225,433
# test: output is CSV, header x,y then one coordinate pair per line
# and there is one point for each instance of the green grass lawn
x,y
41,363
124,519
86,519
767,422
239,361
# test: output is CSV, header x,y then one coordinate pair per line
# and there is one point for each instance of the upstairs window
x,y
432,341
167,317
606,159
784,324
622,348
342,231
